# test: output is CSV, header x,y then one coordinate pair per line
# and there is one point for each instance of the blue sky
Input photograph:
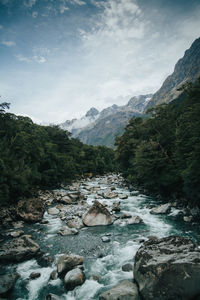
x,y
61,57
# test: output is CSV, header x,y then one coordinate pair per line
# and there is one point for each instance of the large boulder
x,y
7,283
126,290
168,268
134,220
18,249
74,278
75,222
97,215
161,209
31,210
68,262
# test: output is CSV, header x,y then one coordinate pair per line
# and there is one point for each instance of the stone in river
x,y
53,211
31,210
127,267
161,209
16,234
168,268
97,215
110,195
105,239
18,249
7,283
134,220
74,278
68,262
34,275
126,290
123,196
53,275
65,230
53,297
76,222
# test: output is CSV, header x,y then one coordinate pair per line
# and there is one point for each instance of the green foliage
x,y
162,153
34,156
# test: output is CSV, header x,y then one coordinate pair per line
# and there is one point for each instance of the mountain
x,y
101,128
187,69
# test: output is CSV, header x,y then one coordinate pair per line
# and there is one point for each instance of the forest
x,y
160,153
36,157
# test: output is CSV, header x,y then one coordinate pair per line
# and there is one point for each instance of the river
x,y
102,260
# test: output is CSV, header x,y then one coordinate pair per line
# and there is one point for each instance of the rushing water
x,y
104,260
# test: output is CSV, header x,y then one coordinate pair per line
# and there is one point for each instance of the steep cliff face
x,y
187,69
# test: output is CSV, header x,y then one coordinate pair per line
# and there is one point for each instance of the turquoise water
x,y
100,259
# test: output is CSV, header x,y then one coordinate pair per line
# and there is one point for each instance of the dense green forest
x,y
161,153
34,156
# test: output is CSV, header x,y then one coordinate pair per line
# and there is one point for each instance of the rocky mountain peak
x,y
92,112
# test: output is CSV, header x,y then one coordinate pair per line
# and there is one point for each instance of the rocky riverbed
x,y
80,242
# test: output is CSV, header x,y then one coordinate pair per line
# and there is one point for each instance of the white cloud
x,y
39,59
8,43
29,3
23,58
63,8
77,2
35,58
34,14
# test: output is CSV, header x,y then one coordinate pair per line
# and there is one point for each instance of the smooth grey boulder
x,y
53,275
7,283
76,222
126,290
53,211
97,215
68,262
18,249
110,195
134,220
161,209
123,196
34,275
168,268
74,278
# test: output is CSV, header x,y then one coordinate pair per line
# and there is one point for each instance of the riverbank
x,y
105,249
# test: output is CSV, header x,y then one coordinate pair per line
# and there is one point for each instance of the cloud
x,y
63,8
35,58
34,14
8,43
29,3
1,27
39,59
23,58
77,2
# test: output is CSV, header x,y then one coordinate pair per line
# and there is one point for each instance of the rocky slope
x,y
187,69
101,128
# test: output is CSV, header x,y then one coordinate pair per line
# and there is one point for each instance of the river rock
x,y
31,210
123,196
97,215
187,218
16,234
126,290
7,283
134,220
66,200
76,222
110,195
18,225
65,230
18,249
116,207
161,209
68,262
53,211
34,275
168,268
74,278
53,275
53,297
127,267
105,239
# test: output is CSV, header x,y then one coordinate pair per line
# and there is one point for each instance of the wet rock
x,y
97,215
65,230
53,275
44,222
76,222
126,290
134,220
53,211
134,193
68,262
18,225
123,196
16,234
187,218
110,195
53,297
74,278
7,283
168,268
44,260
126,215
161,209
105,239
18,249
34,275
95,278
127,267
116,207
66,200
31,210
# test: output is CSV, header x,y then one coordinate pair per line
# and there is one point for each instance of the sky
x,y
59,58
